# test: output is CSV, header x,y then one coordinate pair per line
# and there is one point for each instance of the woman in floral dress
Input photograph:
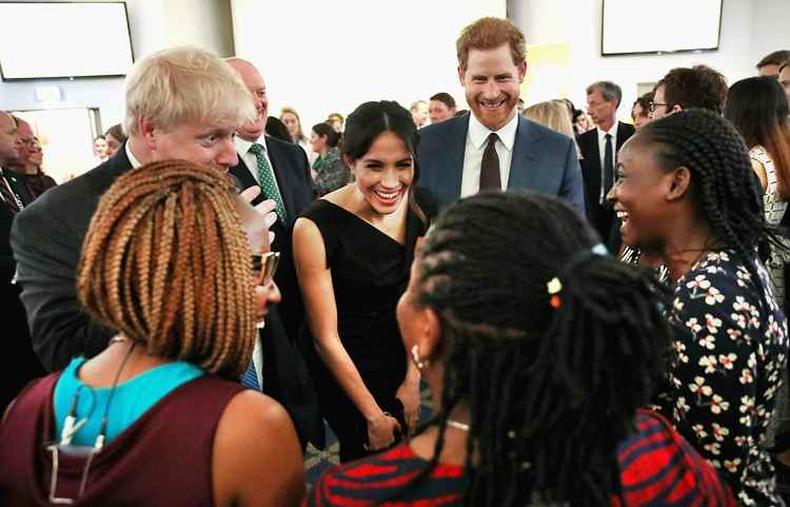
x,y
686,193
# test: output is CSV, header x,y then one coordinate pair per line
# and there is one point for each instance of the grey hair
x,y
609,90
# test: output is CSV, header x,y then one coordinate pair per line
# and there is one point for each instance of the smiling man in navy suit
x,y
493,147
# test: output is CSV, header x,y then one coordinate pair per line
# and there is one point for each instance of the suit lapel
x,y
280,167
525,157
455,144
624,131
242,173
595,163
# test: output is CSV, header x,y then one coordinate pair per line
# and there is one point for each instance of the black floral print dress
x,y
730,347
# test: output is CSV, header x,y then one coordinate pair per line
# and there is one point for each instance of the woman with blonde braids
x,y
158,417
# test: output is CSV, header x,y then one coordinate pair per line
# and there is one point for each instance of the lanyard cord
x,y
11,189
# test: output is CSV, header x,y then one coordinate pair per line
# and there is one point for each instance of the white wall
x,y
770,27
320,56
154,25
750,29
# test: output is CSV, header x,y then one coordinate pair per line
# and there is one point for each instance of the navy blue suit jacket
x,y
543,160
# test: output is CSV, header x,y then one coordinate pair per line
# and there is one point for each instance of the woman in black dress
x,y
353,249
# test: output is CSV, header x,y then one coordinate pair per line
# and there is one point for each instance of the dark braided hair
x,y
551,391
723,182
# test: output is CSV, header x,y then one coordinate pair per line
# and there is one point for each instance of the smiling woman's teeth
x,y
387,196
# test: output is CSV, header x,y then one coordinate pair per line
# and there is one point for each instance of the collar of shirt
x,y
243,146
478,133
612,131
132,159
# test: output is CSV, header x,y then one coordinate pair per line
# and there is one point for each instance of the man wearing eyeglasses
x,y
599,148
684,88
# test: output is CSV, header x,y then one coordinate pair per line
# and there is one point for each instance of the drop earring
x,y
415,357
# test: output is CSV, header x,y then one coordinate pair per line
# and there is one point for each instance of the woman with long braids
x,y
686,192
539,350
159,417
353,249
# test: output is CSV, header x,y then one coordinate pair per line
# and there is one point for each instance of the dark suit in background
x,y
47,240
542,160
601,216
285,374
19,363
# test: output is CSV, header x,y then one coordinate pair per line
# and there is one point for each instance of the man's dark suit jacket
x,y
542,160
600,216
19,363
290,384
47,239
292,172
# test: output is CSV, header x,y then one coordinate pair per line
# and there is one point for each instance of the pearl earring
x,y
415,357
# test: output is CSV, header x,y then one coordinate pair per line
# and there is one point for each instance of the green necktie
x,y
266,180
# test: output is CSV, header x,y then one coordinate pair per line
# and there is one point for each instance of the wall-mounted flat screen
x,y
56,40
647,26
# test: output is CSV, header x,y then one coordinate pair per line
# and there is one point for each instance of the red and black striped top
x,y
658,468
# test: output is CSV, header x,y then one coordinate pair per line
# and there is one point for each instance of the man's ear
x,y
147,132
679,183
461,76
522,71
675,109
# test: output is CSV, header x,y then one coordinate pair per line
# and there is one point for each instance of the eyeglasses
x,y
264,266
654,105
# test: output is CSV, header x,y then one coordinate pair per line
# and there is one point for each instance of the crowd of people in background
x,y
597,307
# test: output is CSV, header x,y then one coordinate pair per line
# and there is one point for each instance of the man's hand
x,y
265,208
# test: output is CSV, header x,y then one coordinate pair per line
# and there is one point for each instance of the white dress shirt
x,y
132,159
602,142
476,141
243,149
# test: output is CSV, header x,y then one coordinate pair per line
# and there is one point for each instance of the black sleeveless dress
x,y
370,271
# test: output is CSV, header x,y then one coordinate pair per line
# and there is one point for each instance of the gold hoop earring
x,y
415,357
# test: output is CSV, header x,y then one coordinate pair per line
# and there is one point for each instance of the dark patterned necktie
x,y
250,377
608,169
266,180
489,167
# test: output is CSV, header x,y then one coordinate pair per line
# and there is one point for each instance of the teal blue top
x,y
131,399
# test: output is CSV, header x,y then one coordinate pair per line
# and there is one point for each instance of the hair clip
x,y
600,249
554,287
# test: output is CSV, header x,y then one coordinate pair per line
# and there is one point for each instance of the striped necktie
x,y
266,180
250,377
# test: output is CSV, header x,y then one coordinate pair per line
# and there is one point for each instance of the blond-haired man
x,y
494,148
182,103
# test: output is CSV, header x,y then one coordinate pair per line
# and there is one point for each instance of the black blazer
x,y
47,239
19,363
285,374
600,217
292,172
